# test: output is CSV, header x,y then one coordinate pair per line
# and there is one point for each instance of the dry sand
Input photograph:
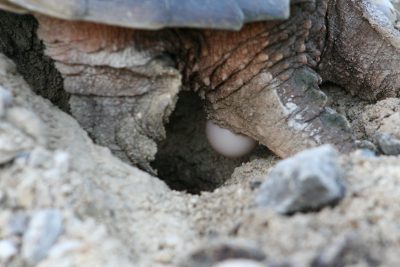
x,y
65,201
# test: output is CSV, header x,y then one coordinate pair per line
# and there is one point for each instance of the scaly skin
x,y
262,81
367,63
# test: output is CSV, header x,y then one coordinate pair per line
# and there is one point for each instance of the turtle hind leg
x,y
308,113
262,82
287,114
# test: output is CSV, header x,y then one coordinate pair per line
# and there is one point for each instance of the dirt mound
x,y
68,202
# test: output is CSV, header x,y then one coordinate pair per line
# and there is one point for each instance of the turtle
x,y
258,65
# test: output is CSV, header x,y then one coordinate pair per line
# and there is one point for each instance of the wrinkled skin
x,y
262,81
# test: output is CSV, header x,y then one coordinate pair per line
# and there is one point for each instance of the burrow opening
x,y
185,160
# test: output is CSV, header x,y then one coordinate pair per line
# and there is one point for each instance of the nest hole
x,y
185,160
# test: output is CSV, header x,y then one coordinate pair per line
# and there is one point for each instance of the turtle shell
x,y
156,14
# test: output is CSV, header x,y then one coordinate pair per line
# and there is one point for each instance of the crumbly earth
x,y
116,215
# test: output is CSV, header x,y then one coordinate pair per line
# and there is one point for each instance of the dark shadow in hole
x,y
185,161
19,42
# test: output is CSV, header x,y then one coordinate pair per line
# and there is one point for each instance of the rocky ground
x,y
68,202
65,201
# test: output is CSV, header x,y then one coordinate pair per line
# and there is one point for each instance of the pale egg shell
x,y
228,143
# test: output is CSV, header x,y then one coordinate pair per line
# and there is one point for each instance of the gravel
x,y
307,181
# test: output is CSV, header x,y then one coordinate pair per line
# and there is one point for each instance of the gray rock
x,y
5,100
366,145
17,224
307,181
28,122
387,135
40,158
365,153
43,231
388,144
13,142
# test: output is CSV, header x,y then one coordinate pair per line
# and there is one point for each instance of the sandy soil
x,y
68,202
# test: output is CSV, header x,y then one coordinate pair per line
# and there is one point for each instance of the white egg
x,y
228,143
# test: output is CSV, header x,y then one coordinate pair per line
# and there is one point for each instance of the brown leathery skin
x,y
122,88
260,81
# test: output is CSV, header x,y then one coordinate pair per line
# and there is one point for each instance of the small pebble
x,y
40,158
388,144
366,145
12,142
28,122
43,231
307,181
61,161
16,224
65,247
5,100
